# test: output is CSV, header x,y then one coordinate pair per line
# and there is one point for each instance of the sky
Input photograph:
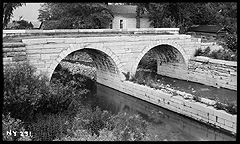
x,y
29,13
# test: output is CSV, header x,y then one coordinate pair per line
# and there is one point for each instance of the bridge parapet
x,y
92,31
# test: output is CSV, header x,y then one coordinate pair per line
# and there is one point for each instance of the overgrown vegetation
x,y
8,9
229,51
20,24
228,107
223,54
53,111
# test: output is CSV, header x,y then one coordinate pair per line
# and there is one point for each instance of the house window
x,y
121,24
111,24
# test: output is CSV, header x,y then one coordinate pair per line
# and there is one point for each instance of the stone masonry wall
x,y
212,72
189,126
192,109
174,70
13,52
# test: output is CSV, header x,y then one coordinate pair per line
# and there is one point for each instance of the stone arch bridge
x,y
120,50
116,52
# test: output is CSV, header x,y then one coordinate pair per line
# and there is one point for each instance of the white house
x,y
125,17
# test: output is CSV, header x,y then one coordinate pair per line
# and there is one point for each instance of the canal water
x,y
165,125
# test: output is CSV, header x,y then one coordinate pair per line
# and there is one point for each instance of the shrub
x,y
231,42
231,108
48,127
224,54
228,107
127,75
139,76
198,52
95,125
26,93
22,90
149,80
197,98
92,120
10,126
21,24
129,128
83,135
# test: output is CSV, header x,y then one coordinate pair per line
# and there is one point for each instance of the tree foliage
x,y
183,15
21,24
26,94
8,9
75,15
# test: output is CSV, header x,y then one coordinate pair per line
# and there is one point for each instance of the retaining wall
x,y
195,110
212,72
193,127
174,70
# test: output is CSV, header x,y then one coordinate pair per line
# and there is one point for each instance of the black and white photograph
x,y
119,71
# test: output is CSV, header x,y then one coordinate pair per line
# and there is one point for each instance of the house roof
x,y
207,28
124,9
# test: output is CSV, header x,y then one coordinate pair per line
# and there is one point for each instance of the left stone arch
x,y
74,47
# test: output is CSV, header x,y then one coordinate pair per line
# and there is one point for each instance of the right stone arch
x,y
170,43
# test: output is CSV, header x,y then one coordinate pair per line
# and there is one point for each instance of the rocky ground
x,y
78,68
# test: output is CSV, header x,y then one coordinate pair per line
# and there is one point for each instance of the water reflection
x,y
166,125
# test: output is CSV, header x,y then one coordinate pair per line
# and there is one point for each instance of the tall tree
x,y
75,15
225,14
22,24
140,10
183,15
8,9
157,14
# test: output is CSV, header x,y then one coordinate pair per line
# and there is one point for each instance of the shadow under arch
x,y
109,59
164,52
